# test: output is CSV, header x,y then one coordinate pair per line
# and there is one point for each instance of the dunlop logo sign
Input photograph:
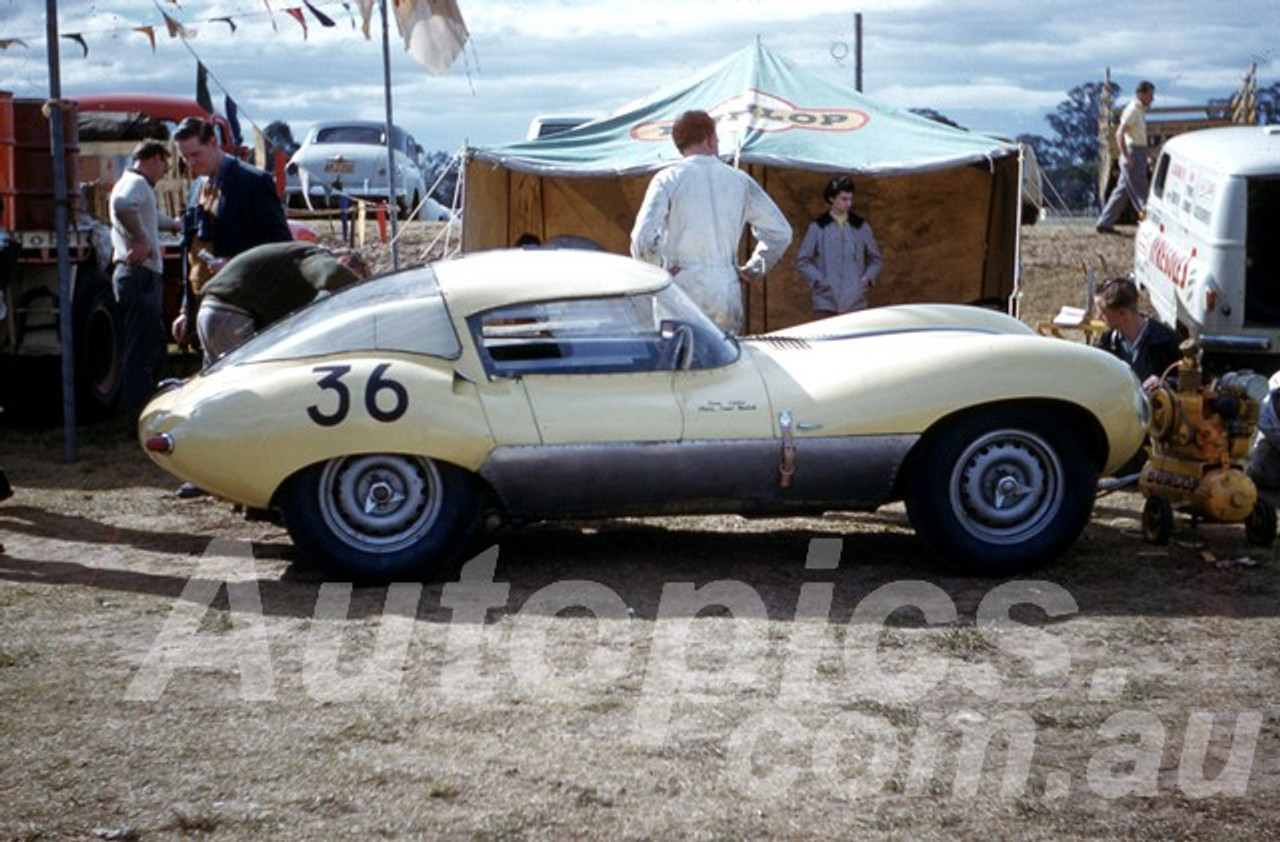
x,y
761,112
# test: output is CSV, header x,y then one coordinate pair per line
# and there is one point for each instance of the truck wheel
x,y
98,344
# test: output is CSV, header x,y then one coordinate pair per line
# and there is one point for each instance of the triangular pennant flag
x,y
150,32
233,119
6,43
227,20
324,19
366,12
79,39
176,29
296,14
433,31
271,15
259,148
202,87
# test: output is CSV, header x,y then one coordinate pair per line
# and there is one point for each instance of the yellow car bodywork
x,y
499,395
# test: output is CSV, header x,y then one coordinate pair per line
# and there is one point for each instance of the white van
x,y
1208,251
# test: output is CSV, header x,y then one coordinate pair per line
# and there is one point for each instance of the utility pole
x,y
392,208
857,51
66,324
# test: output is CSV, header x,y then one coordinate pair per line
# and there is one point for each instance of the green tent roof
x,y
768,112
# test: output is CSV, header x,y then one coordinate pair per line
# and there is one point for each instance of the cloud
x,y
997,66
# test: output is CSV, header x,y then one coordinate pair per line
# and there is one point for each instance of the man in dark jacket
x,y
1149,346
233,207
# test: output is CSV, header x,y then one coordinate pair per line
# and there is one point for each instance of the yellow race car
x,y
389,422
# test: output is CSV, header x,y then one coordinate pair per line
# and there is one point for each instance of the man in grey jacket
x,y
839,258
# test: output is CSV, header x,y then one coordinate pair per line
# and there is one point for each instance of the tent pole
x,y
392,210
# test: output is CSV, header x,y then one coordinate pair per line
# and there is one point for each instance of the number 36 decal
x,y
378,392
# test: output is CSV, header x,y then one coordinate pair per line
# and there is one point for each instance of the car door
x,y
587,368
579,401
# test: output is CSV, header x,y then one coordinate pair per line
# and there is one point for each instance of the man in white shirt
x,y
1131,137
138,277
691,221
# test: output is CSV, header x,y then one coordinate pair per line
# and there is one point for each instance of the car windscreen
x,y
401,312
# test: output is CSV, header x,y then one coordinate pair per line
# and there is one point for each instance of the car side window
x,y
582,336
1162,173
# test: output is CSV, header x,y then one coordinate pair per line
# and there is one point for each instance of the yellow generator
x,y
1200,438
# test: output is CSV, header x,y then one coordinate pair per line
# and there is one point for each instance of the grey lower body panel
x,y
536,482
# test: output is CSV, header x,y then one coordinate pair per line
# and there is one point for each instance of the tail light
x,y
162,443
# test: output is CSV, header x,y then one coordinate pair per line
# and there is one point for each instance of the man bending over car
x,y
266,283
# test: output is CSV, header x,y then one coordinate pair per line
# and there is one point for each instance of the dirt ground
x,y
169,669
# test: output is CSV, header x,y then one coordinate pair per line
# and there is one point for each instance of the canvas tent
x,y
943,202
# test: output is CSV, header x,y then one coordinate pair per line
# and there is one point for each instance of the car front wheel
x,y
1002,491
378,518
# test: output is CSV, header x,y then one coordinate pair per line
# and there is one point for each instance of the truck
x,y
1207,253
100,133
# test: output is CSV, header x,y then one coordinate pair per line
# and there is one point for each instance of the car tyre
x,y
379,518
1001,491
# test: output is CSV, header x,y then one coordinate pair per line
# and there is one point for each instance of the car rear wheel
x,y
1001,491
378,518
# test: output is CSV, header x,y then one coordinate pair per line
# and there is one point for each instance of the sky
x,y
998,66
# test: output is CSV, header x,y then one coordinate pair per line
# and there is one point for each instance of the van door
x,y
1262,254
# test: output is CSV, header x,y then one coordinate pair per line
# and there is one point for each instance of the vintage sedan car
x,y
388,422
350,158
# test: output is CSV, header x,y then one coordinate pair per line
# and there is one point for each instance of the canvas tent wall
x,y
943,202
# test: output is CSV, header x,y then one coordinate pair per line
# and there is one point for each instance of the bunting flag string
x,y
433,31
150,32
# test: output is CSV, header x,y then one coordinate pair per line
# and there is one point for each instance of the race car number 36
x,y
384,399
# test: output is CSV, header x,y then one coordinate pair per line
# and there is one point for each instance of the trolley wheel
x,y
1260,526
1157,520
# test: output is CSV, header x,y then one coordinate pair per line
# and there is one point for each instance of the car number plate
x,y
340,166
